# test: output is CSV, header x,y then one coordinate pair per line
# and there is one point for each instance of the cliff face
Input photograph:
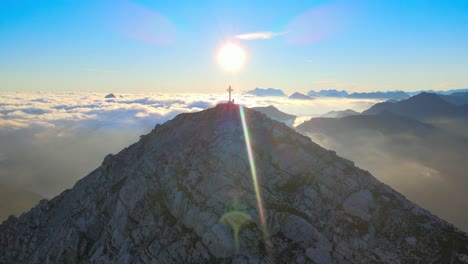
x,y
185,194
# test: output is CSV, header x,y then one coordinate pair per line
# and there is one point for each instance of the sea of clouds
x,y
50,140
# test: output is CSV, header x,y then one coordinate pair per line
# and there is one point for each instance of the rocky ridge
x,y
165,199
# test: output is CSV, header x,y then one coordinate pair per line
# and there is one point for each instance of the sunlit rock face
x,y
185,194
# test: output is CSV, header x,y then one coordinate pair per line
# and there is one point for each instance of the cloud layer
x,y
50,140
259,35
20,110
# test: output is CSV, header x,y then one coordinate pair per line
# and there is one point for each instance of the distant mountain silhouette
x,y
385,122
446,92
275,114
458,98
338,114
380,95
424,105
398,95
266,92
365,95
328,93
300,96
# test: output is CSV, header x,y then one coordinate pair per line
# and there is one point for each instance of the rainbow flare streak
x,y
253,171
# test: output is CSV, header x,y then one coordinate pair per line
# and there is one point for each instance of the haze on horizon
x,y
136,46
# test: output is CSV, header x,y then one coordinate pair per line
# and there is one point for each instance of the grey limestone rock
x,y
161,200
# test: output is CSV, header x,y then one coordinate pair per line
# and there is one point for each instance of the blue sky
x,y
170,46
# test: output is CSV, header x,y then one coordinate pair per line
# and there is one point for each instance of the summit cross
x,y
230,90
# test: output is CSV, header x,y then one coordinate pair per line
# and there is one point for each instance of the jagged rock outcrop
x,y
179,194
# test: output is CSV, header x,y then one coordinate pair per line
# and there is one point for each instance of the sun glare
x,y
231,57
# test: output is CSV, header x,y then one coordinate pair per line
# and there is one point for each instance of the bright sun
x,y
231,57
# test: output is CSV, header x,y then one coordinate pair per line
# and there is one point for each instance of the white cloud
x,y
20,110
259,35
53,139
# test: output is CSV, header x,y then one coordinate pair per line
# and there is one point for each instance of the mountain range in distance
x,y
457,96
440,109
417,146
266,92
443,92
328,93
422,106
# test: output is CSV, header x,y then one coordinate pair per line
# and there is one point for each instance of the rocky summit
x,y
185,193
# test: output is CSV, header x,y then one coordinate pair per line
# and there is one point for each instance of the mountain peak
x,y
266,92
276,114
300,96
423,105
228,184
427,96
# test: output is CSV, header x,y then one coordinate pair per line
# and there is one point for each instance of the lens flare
x,y
318,23
253,169
235,220
258,194
140,23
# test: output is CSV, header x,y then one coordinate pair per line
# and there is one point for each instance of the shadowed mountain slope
x,y
275,114
423,161
458,98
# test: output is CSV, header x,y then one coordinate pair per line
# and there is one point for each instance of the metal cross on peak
x,y
230,90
